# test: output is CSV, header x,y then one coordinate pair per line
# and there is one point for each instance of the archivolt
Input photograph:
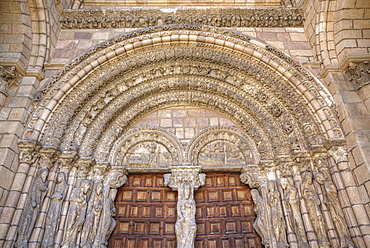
x,y
98,96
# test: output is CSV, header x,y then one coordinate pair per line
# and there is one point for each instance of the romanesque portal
x,y
235,105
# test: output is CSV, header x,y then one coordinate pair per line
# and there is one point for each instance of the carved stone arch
x,y
270,97
138,136
242,147
127,45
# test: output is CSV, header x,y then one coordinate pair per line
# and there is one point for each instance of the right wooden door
x,y
225,213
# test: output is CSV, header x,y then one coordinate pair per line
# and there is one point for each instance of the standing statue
x,y
331,201
52,217
260,223
107,223
185,225
291,199
277,218
94,209
32,208
76,214
313,206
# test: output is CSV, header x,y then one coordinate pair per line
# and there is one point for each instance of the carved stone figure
x,y
185,224
94,210
76,214
260,223
331,201
292,206
32,208
276,214
313,206
53,215
107,221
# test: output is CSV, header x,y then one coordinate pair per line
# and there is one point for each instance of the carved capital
x,y
116,177
48,156
99,171
67,161
252,176
339,153
28,151
185,175
9,78
359,73
84,166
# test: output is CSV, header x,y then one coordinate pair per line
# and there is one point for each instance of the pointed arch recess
x,y
95,98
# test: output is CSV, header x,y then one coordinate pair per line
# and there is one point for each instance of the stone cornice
x,y
146,17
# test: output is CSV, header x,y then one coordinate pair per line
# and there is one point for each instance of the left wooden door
x,y
146,214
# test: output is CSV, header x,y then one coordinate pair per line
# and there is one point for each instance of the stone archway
x,y
282,111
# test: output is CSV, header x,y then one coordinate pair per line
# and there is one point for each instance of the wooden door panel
x,y
146,214
225,213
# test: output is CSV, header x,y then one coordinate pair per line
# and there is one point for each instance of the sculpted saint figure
x,y
313,206
108,223
331,200
32,207
261,221
76,214
291,199
185,224
52,217
277,218
92,217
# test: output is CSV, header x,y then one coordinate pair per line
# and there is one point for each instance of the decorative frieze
x,y
147,17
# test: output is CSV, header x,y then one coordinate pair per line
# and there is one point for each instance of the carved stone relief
x,y
32,208
140,18
185,180
123,81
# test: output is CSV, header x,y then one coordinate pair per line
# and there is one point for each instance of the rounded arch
x,y
95,98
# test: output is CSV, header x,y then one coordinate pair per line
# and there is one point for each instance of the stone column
x,y
185,180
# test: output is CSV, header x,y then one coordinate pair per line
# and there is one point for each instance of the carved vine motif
x,y
140,18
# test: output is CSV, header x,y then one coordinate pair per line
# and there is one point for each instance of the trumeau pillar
x,y
185,180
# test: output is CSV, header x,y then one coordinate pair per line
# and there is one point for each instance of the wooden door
x,y
146,214
225,213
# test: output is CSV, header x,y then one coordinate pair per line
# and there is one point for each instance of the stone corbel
x,y
185,180
359,73
9,78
